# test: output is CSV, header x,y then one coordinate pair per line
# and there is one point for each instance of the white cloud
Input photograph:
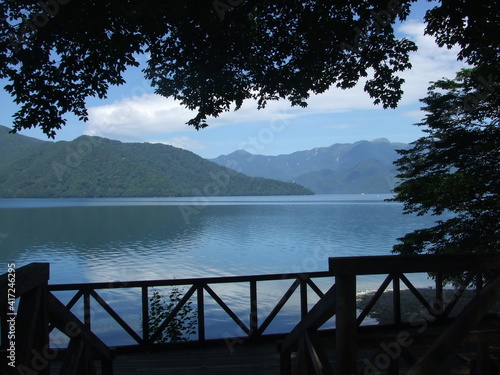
x,y
430,62
150,116
138,116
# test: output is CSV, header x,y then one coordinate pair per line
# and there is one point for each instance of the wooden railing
x,y
28,312
340,301
41,310
198,289
24,314
457,331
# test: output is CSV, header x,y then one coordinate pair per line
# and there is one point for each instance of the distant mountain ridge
x,y
99,167
360,167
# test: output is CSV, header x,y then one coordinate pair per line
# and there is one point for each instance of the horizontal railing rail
x,y
198,289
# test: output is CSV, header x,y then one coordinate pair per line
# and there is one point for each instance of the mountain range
x,y
361,167
99,167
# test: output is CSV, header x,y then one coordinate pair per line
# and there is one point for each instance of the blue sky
x,y
133,113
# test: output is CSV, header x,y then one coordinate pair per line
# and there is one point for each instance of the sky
x,y
133,113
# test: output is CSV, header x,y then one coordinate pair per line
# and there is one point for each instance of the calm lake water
x,y
104,240
91,240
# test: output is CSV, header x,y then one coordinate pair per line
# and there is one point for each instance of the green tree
x,y
455,168
182,325
212,55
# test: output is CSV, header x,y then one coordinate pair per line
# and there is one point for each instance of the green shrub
x,y
182,325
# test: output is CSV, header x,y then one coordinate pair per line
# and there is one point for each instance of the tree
x,y
455,168
211,55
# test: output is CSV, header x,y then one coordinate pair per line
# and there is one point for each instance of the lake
x,y
104,240
91,240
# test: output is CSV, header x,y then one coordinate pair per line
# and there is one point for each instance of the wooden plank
x,y
27,278
303,299
86,310
374,300
376,265
396,299
107,368
191,281
456,296
454,334
345,327
29,335
74,300
279,306
301,359
145,314
201,313
318,354
69,305
316,289
317,316
417,294
43,324
72,360
228,311
254,318
173,313
116,317
65,321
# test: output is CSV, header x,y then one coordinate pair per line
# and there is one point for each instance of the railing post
x,y
345,326
396,299
145,315
254,319
396,302
201,314
32,325
86,309
303,298
439,289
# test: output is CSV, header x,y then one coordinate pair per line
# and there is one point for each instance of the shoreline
x,y
411,308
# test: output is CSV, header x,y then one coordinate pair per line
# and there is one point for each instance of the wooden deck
x,y
246,359
243,360
251,359
261,359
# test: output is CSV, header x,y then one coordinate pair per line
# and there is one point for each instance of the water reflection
x,y
109,240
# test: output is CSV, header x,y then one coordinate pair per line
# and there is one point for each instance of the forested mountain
x,y
361,167
99,167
